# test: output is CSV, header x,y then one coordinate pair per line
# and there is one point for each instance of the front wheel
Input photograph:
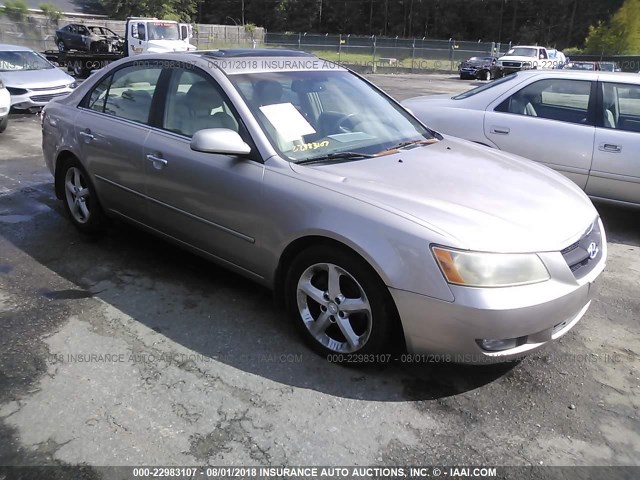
x,y
338,302
486,75
61,47
3,123
80,199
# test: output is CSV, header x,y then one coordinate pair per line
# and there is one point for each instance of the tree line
x,y
559,23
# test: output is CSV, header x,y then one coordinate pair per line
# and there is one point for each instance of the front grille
x,y
46,98
583,255
512,64
46,89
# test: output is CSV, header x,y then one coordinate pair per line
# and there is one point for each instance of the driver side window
x,y
554,99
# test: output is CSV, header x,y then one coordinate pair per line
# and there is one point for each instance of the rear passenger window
x,y
129,93
99,95
553,99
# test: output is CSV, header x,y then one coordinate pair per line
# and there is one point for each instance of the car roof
x,y
592,74
6,47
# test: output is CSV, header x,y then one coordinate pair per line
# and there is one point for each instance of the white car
x,y
5,106
586,125
31,79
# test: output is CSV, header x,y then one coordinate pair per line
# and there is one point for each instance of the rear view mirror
x,y
219,140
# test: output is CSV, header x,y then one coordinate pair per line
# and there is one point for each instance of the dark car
x,y
88,38
477,68
585,66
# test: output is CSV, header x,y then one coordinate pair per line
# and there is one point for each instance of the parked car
x,y
5,106
304,177
31,79
89,38
609,67
586,125
524,57
477,68
584,66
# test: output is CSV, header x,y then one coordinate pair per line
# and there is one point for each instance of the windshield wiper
x,y
335,156
401,145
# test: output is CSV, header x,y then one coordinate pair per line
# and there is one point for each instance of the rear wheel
x,y
80,199
61,47
338,302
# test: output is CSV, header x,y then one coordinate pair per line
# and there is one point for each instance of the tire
x,y
3,123
61,47
324,322
485,75
80,200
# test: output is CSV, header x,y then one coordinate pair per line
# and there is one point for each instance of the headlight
x,y
474,269
526,65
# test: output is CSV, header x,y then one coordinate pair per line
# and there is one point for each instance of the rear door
x,y
551,121
615,173
111,128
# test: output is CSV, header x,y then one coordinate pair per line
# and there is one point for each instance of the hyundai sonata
x,y
299,174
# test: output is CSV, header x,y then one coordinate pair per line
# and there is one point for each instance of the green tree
x,y
621,35
16,10
164,9
51,11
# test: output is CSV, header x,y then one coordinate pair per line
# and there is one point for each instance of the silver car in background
x,y
586,125
30,78
372,229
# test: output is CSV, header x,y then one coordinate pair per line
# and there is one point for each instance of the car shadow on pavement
x,y
217,316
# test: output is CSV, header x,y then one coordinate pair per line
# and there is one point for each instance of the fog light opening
x,y
493,345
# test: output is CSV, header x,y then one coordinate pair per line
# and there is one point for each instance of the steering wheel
x,y
347,123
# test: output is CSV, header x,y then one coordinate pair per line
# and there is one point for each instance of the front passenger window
x,y
195,103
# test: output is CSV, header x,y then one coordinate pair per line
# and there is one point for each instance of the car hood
x,y
483,199
432,100
516,58
50,77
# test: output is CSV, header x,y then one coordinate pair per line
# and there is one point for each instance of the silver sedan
x,y
30,78
374,231
586,125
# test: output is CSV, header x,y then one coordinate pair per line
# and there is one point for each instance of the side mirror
x,y
219,140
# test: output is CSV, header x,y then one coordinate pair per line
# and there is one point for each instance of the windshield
x,y
523,52
22,60
482,88
163,31
313,114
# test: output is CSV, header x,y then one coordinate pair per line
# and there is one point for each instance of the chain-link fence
x,y
413,54
38,33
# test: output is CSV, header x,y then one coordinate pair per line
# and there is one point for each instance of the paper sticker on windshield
x,y
286,119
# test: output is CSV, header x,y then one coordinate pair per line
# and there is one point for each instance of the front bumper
x,y
532,314
38,98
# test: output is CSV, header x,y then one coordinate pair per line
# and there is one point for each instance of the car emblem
x,y
593,250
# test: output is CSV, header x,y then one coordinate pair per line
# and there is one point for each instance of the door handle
x,y
610,148
158,163
500,130
87,135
